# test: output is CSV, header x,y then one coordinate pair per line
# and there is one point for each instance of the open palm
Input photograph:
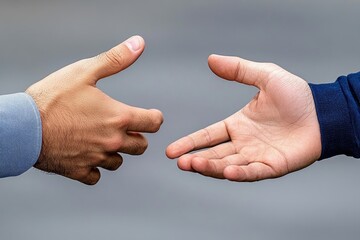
x,y
276,133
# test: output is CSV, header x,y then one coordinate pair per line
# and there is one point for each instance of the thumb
x,y
240,70
117,59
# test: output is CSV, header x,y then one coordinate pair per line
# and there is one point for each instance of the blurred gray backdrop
x,y
149,198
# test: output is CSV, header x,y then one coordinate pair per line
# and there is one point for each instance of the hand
x,y
276,133
83,128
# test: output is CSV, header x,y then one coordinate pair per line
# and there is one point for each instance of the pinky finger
x,y
250,173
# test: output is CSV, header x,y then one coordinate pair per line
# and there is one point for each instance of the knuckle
x,y
124,120
115,58
112,145
206,135
101,158
270,66
82,174
239,72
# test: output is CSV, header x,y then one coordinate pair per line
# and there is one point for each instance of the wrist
x,y
335,119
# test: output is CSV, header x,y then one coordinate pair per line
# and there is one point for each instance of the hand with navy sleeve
x,y
276,133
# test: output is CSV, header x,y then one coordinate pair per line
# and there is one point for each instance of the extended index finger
x,y
206,137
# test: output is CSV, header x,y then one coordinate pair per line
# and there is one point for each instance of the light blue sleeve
x,y
20,134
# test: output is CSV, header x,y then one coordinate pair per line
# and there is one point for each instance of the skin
x,y
276,133
83,128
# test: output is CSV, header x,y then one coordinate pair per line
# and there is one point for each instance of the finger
x,y
207,137
253,172
241,70
184,162
143,120
117,58
215,167
210,168
93,177
87,176
134,144
112,163
217,152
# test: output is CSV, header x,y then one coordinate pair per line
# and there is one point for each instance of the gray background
x,y
149,198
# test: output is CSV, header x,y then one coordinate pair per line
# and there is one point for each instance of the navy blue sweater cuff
x,y
337,108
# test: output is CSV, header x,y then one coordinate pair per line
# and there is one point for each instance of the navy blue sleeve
x,y
338,110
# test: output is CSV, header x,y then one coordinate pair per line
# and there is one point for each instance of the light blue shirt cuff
x,y
20,134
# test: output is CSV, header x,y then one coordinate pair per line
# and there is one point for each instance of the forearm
x,y
20,134
337,107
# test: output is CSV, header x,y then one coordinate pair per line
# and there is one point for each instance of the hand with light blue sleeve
x,y
65,125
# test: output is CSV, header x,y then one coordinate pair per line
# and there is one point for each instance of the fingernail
x,y
133,43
